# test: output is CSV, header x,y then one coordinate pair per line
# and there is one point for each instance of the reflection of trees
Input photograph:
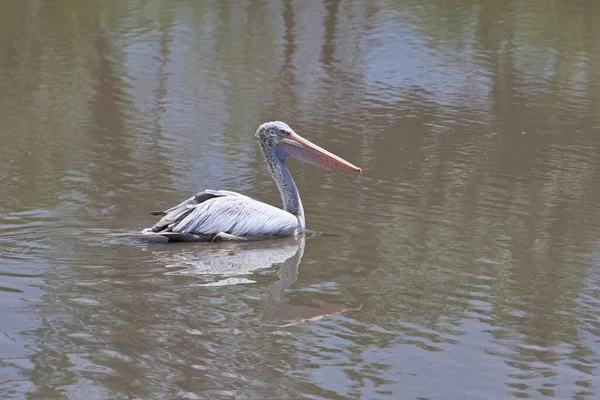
x,y
36,86
69,129
514,183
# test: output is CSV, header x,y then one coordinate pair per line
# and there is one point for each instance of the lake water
x,y
463,263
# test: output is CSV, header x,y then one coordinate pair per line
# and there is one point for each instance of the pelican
x,y
218,215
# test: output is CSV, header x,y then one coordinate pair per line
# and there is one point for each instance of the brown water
x,y
464,263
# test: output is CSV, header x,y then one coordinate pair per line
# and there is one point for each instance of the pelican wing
x,y
212,212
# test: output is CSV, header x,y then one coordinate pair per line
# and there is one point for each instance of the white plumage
x,y
223,215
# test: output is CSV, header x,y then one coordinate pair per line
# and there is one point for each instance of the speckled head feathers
x,y
279,141
272,130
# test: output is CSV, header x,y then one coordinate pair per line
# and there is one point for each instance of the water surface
x,y
463,263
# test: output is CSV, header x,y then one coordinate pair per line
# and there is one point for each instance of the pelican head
x,y
279,139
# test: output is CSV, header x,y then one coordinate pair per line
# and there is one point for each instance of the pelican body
x,y
215,215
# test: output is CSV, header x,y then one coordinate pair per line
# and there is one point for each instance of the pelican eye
x,y
282,132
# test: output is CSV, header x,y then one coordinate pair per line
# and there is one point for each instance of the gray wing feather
x,y
221,211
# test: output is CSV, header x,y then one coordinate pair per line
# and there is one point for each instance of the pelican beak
x,y
301,149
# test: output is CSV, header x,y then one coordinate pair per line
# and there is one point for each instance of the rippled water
x,y
463,263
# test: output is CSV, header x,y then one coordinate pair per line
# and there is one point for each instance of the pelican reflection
x,y
228,264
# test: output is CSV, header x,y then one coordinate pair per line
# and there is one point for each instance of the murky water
x,y
463,263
